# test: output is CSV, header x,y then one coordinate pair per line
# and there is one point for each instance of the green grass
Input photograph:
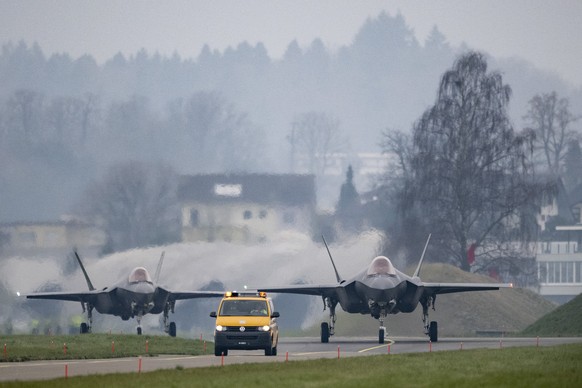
x,y
557,366
564,321
89,346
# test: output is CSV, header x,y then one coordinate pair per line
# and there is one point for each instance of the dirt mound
x,y
564,321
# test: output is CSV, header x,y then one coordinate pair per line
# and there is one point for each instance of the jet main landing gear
x,y
85,327
328,329
430,327
170,327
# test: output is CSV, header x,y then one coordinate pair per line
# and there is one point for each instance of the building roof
x,y
285,189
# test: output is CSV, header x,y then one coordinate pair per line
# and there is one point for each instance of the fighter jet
x,y
379,290
131,297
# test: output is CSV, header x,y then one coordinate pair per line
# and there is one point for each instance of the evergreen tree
x,y
349,208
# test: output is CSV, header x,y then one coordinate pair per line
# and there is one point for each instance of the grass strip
x,y
557,366
90,346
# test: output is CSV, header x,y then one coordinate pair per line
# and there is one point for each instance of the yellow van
x,y
245,321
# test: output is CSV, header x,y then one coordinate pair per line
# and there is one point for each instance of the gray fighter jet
x,y
131,297
379,290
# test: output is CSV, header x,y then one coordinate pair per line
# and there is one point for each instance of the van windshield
x,y
241,307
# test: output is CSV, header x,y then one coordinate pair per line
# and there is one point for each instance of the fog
x,y
288,258
64,120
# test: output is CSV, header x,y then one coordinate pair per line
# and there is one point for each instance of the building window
x,y
247,215
194,218
565,272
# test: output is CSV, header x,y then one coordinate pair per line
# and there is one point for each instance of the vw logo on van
x,y
242,328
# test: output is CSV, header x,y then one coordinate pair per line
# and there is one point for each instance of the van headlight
x,y
220,328
264,328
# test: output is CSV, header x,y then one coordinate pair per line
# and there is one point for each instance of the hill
x,y
462,314
564,321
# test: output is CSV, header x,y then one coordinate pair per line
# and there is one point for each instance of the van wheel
x,y
219,352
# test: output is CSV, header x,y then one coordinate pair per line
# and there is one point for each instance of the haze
x,y
545,33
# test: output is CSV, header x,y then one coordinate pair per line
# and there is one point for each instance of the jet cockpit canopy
x,y
381,266
139,275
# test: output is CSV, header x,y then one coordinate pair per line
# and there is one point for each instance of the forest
x,y
64,121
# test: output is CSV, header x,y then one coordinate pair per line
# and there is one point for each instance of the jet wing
x,y
449,288
181,295
306,289
83,297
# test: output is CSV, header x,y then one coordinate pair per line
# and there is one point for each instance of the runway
x,y
289,349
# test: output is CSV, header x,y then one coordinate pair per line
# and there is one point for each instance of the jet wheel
x,y
433,331
139,331
381,335
84,328
172,330
324,332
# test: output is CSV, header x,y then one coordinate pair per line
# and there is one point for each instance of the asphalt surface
x,y
289,349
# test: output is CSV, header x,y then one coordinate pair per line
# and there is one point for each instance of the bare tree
x,y
472,178
550,118
215,137
89,114
315,136
397,188
136,204
24,114
63,116
130,129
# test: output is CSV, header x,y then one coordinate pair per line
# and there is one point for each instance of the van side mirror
x,y
213,314
275,314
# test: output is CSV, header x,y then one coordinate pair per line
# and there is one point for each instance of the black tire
x,y
324,332
84,328
139,331
274,351
381,335
172,329
219,352
433,331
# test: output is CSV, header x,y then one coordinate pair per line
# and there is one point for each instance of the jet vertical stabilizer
x,y
337,275
417,272
89,284
159,268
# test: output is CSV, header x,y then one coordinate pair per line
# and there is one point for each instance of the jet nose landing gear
x,y
381,334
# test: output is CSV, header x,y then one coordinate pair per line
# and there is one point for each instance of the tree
x,y
130,129
212,135
136,204
315,136
349,208
471,177
395,190
24,115
550,119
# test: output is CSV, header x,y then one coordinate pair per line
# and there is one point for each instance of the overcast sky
x,y
546,33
